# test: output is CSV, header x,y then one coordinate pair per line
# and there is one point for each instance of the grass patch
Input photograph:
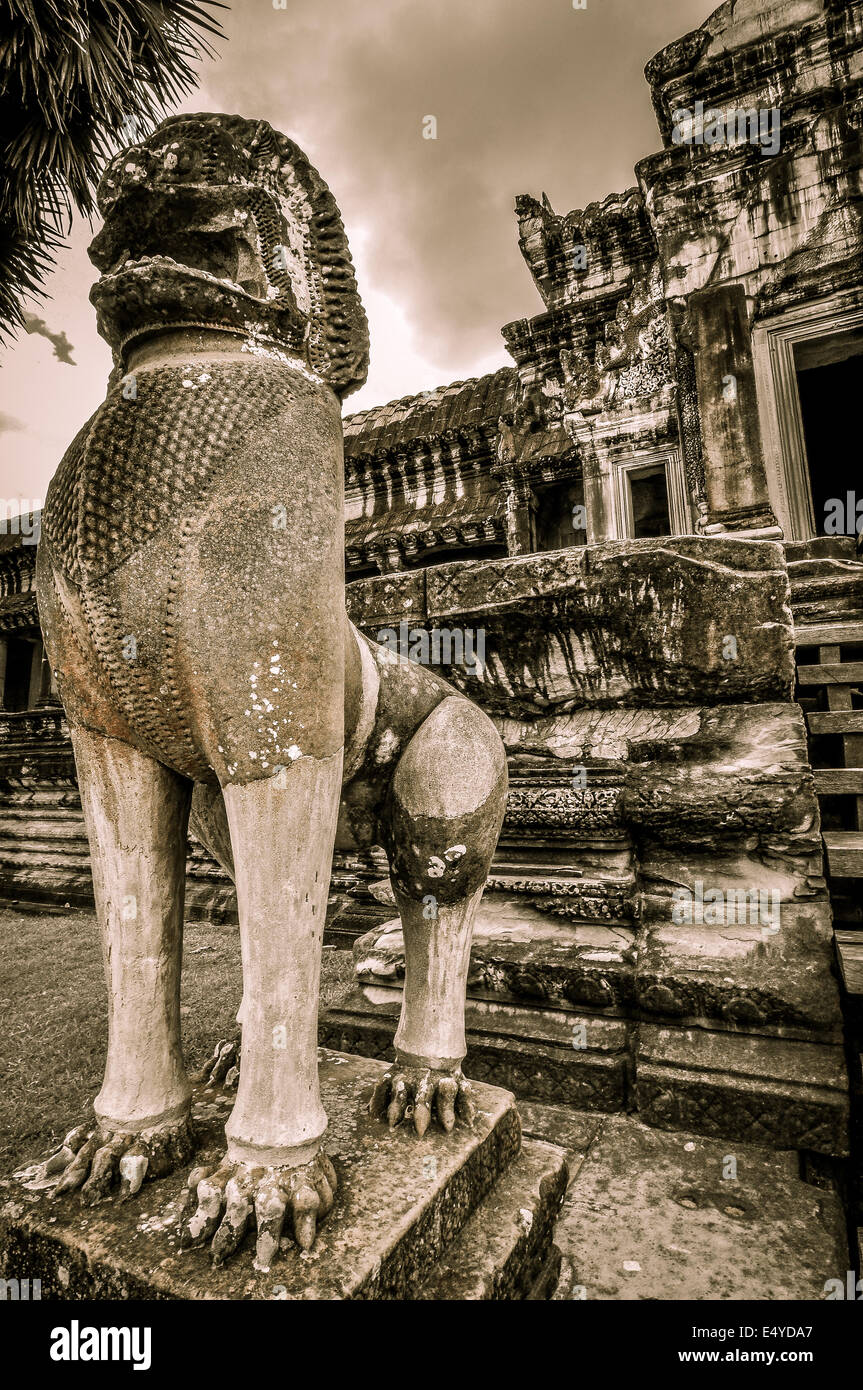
x,y
52,993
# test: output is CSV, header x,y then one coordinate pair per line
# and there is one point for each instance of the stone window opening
x,y
555,512
649,497
648,502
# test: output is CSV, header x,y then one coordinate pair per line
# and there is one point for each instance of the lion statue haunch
x,y
191,590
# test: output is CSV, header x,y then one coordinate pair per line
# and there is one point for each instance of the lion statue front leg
x,y
442,822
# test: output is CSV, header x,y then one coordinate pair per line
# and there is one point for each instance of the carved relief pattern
x,y
143,462
558,808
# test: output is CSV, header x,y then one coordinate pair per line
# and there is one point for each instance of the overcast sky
x,y
528,95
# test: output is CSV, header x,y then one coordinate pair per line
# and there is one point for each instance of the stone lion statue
x,y
191,590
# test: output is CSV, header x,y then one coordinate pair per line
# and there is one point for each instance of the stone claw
x,y
223,1068
39,1176
132,1168
419,1093
238,1197
93,1160
104,1168
239,1210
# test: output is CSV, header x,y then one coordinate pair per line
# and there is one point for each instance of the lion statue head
x,y
219,222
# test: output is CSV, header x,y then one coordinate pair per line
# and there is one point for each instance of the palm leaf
x,y
73,74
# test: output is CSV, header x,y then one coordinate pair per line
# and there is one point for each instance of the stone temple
x,y
637,549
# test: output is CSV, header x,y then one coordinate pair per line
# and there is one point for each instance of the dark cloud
x,y
528,95
9,423
59,341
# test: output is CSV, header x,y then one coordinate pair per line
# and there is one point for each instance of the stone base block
x,y
674,1217
744,975
772,1091
780,1092
504,1249
403,1205
519,953
554,1055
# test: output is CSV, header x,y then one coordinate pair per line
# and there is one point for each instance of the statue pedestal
x,y
468,1216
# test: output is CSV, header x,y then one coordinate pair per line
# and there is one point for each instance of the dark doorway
x,y
649,491
353,572
559,517
830,386
19,665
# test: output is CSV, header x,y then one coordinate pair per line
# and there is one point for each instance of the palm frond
x,y
75,76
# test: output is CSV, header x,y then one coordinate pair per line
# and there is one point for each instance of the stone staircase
x,y
827,602
826,578
44,857
717,1035
634,788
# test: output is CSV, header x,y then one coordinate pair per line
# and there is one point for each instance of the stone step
x,y
785,1094
49,884
846,721
39,829
62,801
518,950
16,812
35,762
849,950
768,977
23,853
40,833
561,1057
14,817
739,972
502,1250
829,570
839,592
788,1081
401,1205
831,673
844,853
839,781
59,893
210,902
828,608
821,547
680,1217
827,634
